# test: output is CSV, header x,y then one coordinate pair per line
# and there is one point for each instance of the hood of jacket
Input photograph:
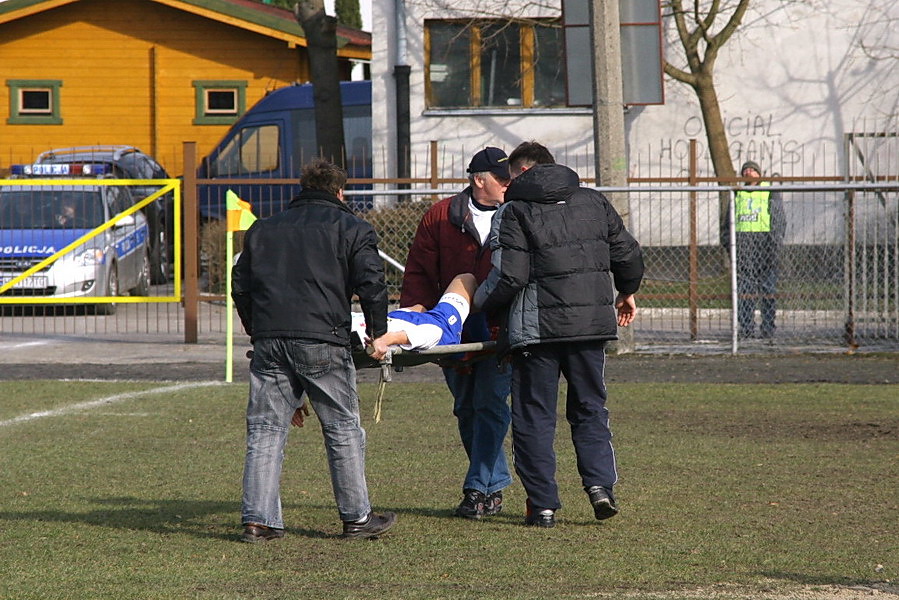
x,y
545,184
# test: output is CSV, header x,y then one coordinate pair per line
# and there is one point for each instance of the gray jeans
x,y
281,370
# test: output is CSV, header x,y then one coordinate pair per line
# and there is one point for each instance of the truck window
x,y
253,149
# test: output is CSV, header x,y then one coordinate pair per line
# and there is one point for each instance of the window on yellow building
x,y
219,102
34,102
494,63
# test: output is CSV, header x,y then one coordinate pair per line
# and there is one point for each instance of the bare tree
x,y
320,30
701,44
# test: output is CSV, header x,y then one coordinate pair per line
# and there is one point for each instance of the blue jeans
x,y
281,370
482,411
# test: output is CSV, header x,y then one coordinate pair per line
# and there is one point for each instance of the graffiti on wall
x,y
752,137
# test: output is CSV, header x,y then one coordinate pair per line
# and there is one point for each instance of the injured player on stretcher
x,y
414,328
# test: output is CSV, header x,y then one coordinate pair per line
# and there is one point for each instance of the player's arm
x,y
379,347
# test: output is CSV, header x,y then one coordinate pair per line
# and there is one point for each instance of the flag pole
x,y
239,218
229,309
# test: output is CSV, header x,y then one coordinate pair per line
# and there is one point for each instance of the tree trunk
x,y
321,44
716,136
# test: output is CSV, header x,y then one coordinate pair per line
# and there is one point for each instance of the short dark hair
x,y
323,175
529,154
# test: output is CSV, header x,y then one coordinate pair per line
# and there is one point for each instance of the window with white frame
x,y
34,102
494,63
219,102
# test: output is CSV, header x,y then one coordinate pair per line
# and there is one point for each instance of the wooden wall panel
x,y
103,52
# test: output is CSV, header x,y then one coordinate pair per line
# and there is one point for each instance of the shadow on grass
x,y
834,580
164,517
191,517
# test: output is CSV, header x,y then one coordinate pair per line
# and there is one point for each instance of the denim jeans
x,y
482,410
281,370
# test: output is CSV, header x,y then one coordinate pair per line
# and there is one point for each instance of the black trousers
x,y
535,389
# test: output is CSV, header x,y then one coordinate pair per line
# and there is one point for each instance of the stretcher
x,y
450,355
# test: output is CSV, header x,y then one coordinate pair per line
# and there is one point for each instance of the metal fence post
x,y
191,234
693,293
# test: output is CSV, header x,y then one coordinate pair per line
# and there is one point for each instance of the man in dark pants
x,y
292,288
450,240
760,228
554,245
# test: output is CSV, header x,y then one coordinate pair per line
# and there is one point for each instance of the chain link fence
x,y
838,265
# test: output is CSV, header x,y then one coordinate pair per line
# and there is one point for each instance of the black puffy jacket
x,y
554,245
299,269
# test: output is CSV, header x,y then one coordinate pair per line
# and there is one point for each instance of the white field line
x,y
81,406
15,345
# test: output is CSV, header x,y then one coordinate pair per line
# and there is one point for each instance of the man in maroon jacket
x,y
452,239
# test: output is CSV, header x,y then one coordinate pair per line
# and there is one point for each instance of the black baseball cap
x,y
490,159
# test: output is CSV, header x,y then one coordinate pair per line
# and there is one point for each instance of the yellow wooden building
x,y
147,73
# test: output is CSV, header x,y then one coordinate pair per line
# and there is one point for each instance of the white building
x,y
793,80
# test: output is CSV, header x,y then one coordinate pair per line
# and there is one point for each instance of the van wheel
x,y
143,279
112,289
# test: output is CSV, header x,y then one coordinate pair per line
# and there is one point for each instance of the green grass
x,y
715,292
760,490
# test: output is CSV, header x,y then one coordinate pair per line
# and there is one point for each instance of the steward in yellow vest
x,y
760,224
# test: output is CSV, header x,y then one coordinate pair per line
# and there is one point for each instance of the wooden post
x,y
434,175
191,233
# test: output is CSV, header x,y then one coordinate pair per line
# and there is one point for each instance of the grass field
x,y
132,490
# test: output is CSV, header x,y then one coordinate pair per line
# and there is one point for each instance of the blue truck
x,y
273,140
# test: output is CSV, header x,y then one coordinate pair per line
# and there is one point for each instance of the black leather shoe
x,y
375,525
540,518
254,532
603,502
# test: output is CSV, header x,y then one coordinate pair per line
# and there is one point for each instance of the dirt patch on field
x,y
631,368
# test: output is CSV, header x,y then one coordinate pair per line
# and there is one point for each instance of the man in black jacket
x,y
554,245
292,287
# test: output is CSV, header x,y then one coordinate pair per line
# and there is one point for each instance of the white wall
x,y
791,82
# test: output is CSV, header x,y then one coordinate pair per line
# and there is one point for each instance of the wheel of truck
x,y
112,289
142,288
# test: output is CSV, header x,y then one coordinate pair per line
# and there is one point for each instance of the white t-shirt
x,y
482,219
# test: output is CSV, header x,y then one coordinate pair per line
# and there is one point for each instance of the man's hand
x,y
627,308
299,416
377,348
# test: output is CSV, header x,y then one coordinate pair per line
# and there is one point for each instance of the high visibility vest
x,y
753,210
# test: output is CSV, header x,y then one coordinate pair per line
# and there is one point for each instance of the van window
x,y
253,149
357,133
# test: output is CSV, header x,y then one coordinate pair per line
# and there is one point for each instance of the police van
x,y
39,221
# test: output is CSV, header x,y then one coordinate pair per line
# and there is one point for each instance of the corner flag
x,y
240,215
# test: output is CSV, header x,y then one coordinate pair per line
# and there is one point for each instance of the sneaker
x,y
494,504
370,528
254,532
603,502
537,517
472,505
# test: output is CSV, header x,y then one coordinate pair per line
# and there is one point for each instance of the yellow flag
x,y
240,215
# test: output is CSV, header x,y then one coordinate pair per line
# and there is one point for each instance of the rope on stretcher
x,y
436,354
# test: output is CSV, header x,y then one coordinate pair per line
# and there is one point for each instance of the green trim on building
x,y
55,116
257,17
200,87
